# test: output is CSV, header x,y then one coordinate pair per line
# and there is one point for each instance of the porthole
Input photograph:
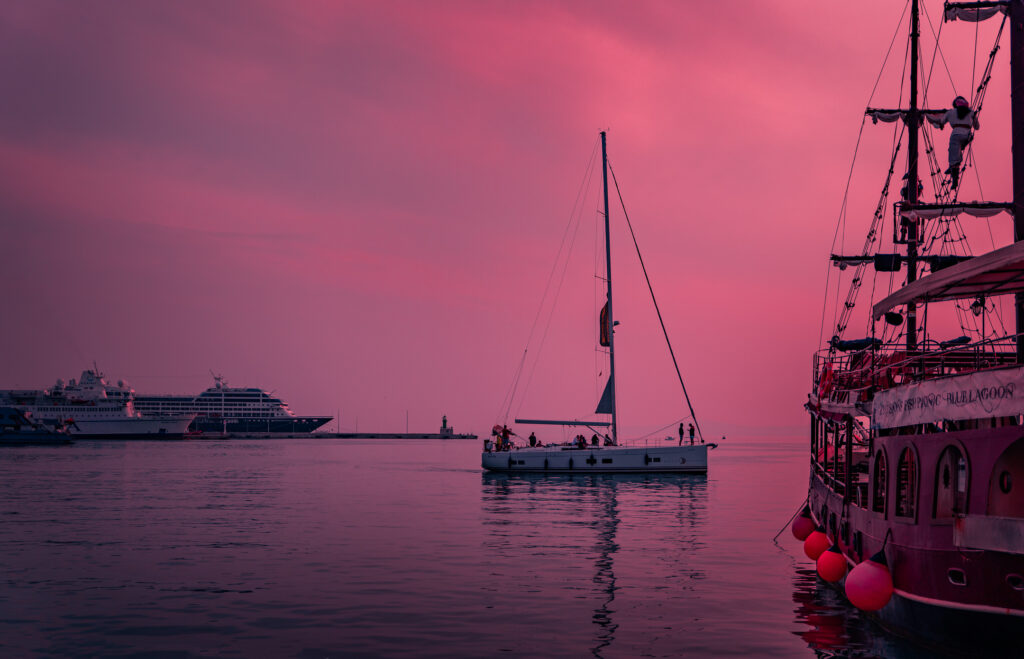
x,y
1005,482
957,577
1016,581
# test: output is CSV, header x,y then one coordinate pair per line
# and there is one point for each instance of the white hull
x,y
108,425
169,427
600,460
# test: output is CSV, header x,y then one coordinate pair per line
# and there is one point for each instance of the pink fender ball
x,y
869,585
832,565
802,527
816,544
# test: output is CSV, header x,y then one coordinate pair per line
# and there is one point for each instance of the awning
x,y
974,208
997,273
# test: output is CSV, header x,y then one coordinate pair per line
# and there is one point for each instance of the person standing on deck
x,y
533,439
962,119
691,434
682,432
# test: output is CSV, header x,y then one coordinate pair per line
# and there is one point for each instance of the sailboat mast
x,y
912,180
1016,19
608,272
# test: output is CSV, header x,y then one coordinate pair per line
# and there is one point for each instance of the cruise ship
x,y
93,408
232,410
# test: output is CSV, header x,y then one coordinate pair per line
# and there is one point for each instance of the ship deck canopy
x,y
998,272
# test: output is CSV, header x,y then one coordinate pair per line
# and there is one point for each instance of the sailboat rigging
x,y
608,455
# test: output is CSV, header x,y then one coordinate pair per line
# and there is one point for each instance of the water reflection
x,y
554,516
831,627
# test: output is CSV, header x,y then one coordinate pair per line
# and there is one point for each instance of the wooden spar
x,y
911,195
542,422
608,271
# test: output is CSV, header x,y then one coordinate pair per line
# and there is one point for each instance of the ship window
x,y
879,484
657,459
1016,581
957,577
950,484
906,484
606,461
1005,482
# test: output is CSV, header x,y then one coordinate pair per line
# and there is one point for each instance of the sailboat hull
x,y
600,460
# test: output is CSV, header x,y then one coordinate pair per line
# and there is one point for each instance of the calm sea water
x,y
330,548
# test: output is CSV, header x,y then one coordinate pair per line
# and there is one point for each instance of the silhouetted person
x,y
593,440
962,119
682,433
533,439
691,434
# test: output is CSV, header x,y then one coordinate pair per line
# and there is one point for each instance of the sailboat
x,y
915,503
604,454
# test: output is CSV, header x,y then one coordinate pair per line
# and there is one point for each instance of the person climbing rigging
x,y
962,119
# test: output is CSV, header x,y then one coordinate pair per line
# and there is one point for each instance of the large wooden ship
x,y
916,498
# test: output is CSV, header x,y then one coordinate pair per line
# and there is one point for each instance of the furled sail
x,y
605,404
955,12
974,208
934,117
605,338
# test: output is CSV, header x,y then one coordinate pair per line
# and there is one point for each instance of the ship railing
x,y
848,378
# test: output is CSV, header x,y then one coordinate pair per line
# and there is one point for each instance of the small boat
x,y
18,428
604,453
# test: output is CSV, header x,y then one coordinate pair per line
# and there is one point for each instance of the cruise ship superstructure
x,y
232,410
92,407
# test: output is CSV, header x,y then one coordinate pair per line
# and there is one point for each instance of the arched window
x,y
878,485
950,484
1006,484
906,484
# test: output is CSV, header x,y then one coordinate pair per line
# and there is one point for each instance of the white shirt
x,y
960,125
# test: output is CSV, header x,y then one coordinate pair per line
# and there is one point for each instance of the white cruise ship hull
x,y
600,460
132,428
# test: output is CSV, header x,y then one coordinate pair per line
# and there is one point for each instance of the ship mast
x,y
608,271
1016,18
912,180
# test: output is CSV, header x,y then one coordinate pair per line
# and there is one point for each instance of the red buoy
x,y
816,544
832,564
869,584
803,525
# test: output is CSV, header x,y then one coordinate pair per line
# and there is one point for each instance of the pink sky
x,y
358,204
